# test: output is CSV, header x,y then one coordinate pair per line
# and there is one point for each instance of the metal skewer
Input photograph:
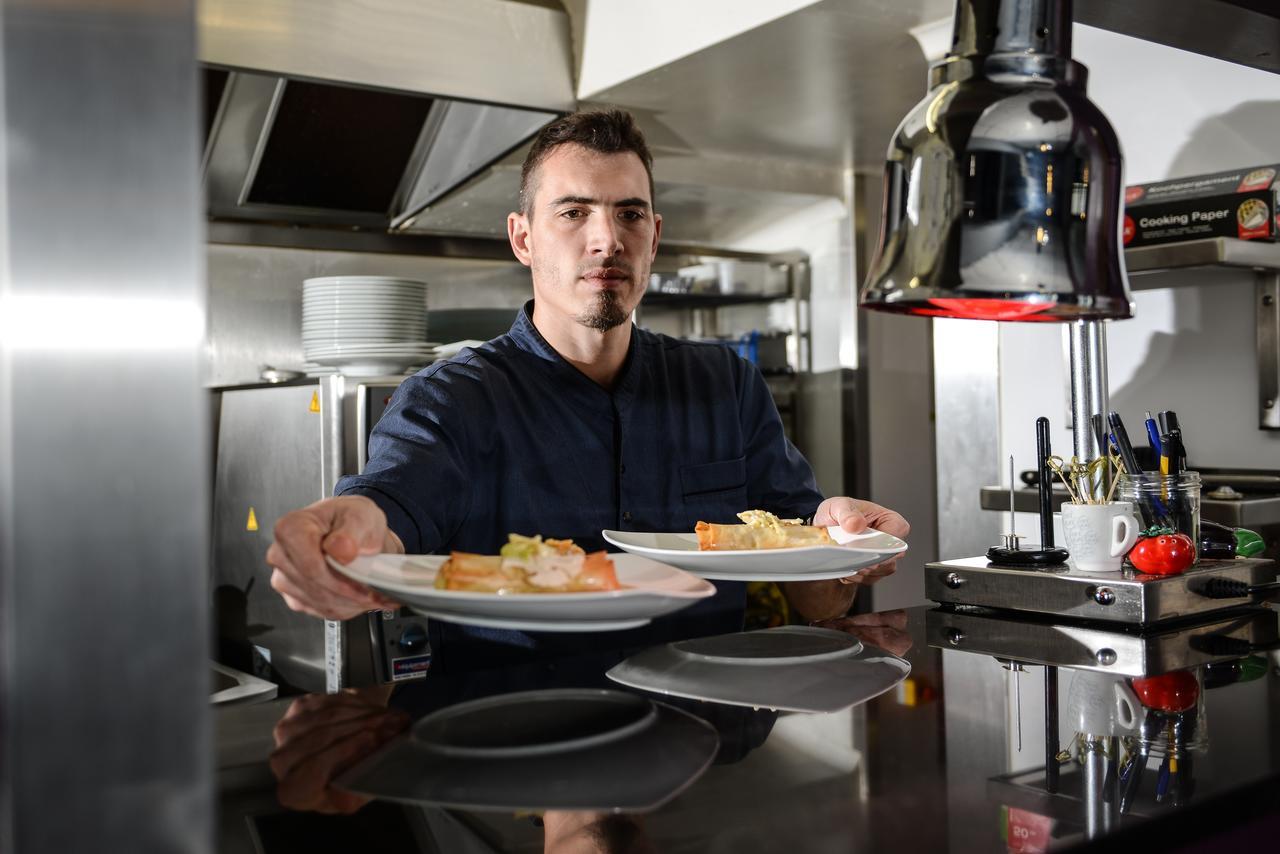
x,y
1017,701
1011,539
1013,517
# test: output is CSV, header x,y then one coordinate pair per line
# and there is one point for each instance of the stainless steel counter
x,y
895,773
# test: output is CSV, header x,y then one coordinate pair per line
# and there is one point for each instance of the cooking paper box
x,y
1239,203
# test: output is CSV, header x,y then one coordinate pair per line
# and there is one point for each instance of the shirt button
x,y
622,469
626,516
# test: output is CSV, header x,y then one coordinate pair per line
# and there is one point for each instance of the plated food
x,y
737,553
760,530
530,565
500,591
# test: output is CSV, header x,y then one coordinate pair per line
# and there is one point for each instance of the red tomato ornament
x,y
1163,554
1169,692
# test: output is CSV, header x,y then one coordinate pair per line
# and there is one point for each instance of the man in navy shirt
x,y
573,422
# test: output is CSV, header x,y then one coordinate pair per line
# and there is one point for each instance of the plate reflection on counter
x,y
556,749
790,668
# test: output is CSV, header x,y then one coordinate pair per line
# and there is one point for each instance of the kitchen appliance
x,y
280,148
1003,186
281,447
1126,597
1116,597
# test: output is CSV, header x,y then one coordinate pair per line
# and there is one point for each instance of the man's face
x,y
590,235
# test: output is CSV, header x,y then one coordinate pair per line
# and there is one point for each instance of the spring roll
x,y
761,530
558,570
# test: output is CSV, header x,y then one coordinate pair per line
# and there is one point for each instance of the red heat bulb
x,y
986,309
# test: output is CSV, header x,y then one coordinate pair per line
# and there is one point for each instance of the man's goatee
x,y
605,314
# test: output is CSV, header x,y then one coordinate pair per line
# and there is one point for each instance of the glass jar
x,y
1171,713
1165,501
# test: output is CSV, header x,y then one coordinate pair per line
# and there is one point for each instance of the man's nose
x,y
604,236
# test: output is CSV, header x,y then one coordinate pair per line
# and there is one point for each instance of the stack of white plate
x,y
365,325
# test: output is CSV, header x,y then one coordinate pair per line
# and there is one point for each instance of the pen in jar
x,y
1153,434
1122,443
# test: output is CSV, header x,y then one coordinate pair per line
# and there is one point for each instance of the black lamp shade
x,y
1003,188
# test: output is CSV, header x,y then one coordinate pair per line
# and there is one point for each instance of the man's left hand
x,y
855,516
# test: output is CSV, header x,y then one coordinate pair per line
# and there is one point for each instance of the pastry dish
x,y
760,529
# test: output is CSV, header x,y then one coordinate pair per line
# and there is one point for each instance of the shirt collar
x,y
527,337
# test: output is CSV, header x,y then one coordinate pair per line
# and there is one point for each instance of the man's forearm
x,y
819,600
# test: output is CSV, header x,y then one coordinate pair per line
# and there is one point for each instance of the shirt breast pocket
x,y
715,491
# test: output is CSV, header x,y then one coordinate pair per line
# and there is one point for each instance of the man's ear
x,y
518,235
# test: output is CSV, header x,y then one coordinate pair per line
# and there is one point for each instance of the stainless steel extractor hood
x,y
285,149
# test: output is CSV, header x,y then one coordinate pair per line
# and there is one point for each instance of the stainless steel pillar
x,y
966,389
104,680
1088,347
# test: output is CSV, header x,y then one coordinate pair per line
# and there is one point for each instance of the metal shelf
x,y
1259,255
653,299
1251,512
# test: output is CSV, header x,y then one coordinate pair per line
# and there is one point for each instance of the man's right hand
x,y
344,528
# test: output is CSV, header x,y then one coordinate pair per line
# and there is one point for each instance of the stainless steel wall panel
x,y
103,483
255,298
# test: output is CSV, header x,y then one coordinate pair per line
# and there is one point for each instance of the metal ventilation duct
x,y
287,150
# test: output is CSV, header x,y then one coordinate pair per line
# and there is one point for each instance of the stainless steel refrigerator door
x,y
268,464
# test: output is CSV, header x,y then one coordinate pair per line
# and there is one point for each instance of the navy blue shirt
x,y
510,438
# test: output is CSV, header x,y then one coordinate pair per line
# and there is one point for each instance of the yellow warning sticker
x,y
315,401
252,523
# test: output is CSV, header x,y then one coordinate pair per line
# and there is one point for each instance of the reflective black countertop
x,y
1181,759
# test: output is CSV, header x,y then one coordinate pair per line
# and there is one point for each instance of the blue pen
x,y
1153,434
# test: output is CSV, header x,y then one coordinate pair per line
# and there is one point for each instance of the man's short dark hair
x,y
605,131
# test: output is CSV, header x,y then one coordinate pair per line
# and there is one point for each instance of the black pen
x,y
1169,424
1122,443
1175,453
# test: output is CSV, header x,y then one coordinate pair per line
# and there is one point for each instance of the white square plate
x,y
650,590
851,553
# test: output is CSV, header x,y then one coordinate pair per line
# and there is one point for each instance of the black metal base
x,y
1027,557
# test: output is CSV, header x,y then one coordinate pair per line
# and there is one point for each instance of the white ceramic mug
x,y
1099,535
1101,704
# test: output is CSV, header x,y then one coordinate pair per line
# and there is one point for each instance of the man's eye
x,y
632,215
572,213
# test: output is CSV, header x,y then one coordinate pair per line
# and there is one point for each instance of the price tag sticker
x,y
1026,831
